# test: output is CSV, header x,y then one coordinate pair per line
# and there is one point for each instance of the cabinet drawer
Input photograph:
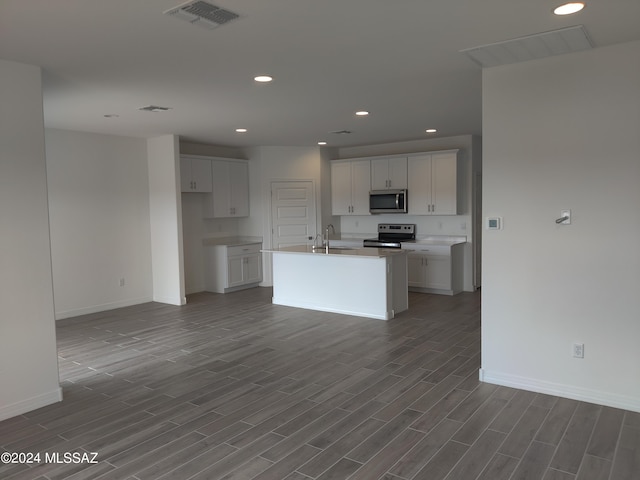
x,y
243,249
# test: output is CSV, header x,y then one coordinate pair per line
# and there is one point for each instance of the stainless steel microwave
x,y
388,201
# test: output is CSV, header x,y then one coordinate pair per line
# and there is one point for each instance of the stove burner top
x,y
391,235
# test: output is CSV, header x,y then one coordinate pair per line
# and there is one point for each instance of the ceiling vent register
x,y
154,108
531,47
203,14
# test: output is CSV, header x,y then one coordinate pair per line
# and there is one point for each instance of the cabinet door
x,y
360,187
419,185
201,175
379,174
219,201
235,270
239,189
388,173
186,183
397,173
438,272
341,188
416,270
253,268
444,184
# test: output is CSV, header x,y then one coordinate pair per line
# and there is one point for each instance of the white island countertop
x,y
339,251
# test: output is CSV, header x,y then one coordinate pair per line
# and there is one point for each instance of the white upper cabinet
x,y
230,193
195,174
350,185
432,183
389,173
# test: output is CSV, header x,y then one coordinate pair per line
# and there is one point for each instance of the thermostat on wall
x,y
494,223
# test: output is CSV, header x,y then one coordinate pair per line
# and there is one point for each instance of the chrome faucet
x,y
326,242
318,241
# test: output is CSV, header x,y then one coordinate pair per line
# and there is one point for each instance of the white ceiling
x,y
398,59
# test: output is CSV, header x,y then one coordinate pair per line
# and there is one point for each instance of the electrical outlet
x,y
122,282
578,350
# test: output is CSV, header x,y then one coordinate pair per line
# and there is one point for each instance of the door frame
x,y
267,272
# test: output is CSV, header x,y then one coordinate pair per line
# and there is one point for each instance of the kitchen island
x,y
366,282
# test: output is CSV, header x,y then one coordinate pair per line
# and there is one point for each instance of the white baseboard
x,y
102,307
171,300
30,404
560,390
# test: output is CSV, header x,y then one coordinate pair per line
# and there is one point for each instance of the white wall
x,y
563,133
462,224
99,211
166,220
28,358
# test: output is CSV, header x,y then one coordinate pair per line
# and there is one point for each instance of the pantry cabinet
x,y
232,267
230,190
389,173
195,174
350,185
432,183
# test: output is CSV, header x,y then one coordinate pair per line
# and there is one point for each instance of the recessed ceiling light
x,y
241,130
322,143
431,130
569,8
362,113
263,78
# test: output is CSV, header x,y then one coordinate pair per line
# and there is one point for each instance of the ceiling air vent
x,y
531,47
203,14
341,132
154,108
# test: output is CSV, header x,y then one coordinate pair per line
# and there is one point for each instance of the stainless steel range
x,y
391,235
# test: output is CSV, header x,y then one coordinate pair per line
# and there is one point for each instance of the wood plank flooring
x,y
232,387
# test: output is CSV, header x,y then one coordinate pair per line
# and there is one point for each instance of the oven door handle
x,y
397,201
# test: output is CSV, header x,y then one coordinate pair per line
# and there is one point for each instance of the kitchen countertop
x,y
339,251
444,240
231,241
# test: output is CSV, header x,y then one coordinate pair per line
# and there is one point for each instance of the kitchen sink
x,y
332,249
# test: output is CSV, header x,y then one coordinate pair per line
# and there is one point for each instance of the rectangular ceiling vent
x,y
203,14
531,47
154,108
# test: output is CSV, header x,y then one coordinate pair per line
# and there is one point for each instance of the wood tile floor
x,y
232,387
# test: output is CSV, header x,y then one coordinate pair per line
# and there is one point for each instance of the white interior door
x,y
293,213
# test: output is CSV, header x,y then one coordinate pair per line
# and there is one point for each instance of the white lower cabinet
x,y
232,267
435,270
